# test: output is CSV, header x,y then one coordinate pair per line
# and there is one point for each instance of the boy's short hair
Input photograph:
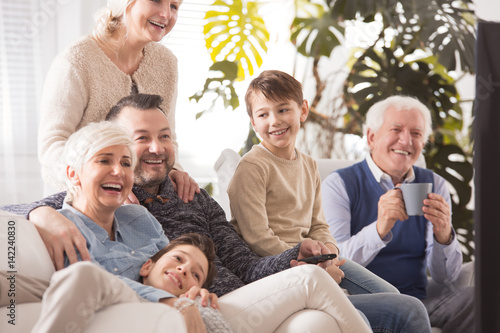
x,y
202,242
275,86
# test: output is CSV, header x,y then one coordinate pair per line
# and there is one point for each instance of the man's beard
x,y
143,179
154,178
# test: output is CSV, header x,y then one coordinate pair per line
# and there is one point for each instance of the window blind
x,y
19,85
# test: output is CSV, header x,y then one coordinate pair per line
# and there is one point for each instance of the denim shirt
x,y
138,236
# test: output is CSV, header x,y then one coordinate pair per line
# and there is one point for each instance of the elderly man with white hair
x,y
367,215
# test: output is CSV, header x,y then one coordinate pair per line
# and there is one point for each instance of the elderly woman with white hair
x,y
123,56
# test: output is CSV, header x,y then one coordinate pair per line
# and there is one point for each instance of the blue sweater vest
x,y
402,261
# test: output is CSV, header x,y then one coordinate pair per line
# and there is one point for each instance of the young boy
x,y
275,192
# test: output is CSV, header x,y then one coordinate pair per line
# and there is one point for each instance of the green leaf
x,y
445,28
221,85
378,74
199,114
316,36
209,188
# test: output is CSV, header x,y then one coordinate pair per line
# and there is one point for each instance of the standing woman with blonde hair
x,y
86,79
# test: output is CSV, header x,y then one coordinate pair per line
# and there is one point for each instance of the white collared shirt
x,y
384,179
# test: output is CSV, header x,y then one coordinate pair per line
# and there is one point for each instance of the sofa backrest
x,y
228,160
328,165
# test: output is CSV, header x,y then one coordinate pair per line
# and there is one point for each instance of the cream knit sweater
x,y
83,84
276,203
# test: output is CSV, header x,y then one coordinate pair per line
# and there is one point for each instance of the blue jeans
x,y
393,313
381,303
452,310
359,280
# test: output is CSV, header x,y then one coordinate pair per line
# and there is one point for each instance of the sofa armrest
x,y
465,279
467,275
30,256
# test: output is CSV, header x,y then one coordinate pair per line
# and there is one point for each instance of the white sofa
x,y
32,259
226,165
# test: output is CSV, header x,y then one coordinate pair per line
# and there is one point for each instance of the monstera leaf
x,y
234,31
378,75
448,30
220,85
445,28
318,35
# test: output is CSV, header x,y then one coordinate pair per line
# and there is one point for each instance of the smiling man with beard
x,y
155,157
368,219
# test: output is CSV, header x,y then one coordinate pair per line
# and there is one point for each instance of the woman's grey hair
x,y
87,141
108,19
376,113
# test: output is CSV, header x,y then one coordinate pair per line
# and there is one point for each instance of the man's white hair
x,y
376,114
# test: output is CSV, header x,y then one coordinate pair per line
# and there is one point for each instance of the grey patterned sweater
x,y
212,318
237,265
